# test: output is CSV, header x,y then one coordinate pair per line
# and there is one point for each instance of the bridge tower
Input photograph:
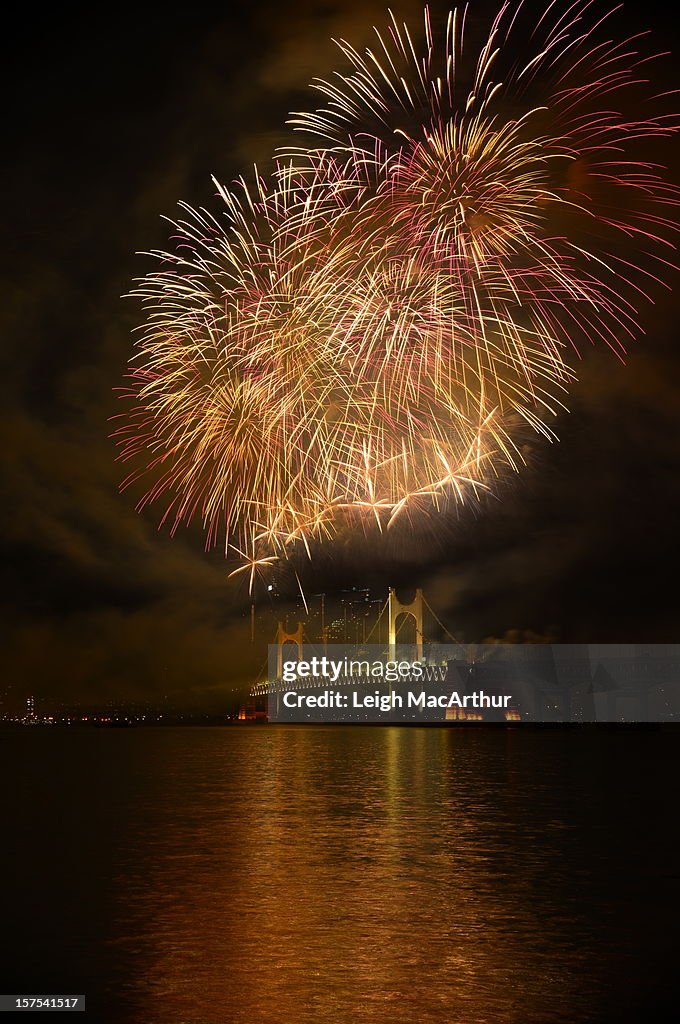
x,y
284,637
415,609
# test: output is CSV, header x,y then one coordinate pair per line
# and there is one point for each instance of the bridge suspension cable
x,y
440,623
377,622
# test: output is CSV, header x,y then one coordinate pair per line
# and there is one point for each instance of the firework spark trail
x,y
362,336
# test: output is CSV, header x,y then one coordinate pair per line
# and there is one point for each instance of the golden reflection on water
x,y
294,874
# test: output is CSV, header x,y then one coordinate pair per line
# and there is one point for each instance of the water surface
x,y
299,874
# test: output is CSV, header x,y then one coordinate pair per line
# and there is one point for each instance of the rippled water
x,y
297,874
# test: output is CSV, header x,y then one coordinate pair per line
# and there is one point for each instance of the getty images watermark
x,y
331,670
439,683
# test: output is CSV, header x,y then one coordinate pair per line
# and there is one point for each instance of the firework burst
x,y
368,333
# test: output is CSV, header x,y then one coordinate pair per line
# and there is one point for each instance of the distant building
x,y
254,710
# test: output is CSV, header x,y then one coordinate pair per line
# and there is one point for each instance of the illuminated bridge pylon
x,y
415,609
284,637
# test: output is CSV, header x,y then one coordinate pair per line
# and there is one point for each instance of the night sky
x,y
107,124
